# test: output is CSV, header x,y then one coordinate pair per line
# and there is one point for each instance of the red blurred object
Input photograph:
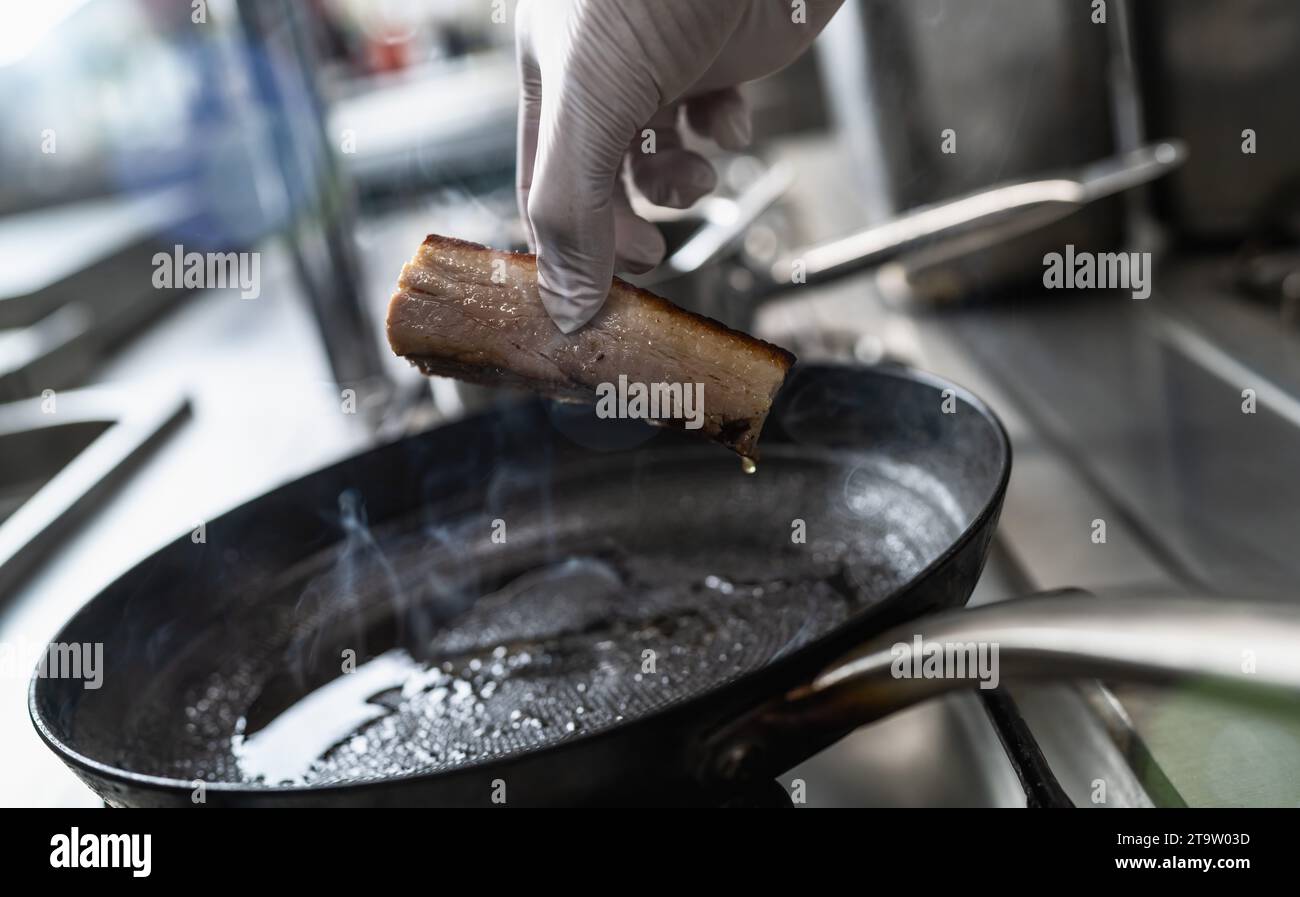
x,y
388,55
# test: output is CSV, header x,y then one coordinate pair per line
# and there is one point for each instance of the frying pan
x,y
535,606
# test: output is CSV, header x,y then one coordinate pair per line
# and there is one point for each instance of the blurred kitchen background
x,y
330,135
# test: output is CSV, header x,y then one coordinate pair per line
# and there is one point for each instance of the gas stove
x,y
1175,421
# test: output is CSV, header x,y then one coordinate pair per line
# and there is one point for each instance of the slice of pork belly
x,y
465,311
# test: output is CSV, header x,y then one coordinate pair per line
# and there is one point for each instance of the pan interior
x,y
550,608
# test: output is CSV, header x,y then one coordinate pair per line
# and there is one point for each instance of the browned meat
x,y
465,311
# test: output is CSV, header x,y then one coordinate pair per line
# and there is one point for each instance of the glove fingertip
x,y
734,131
569,309
724,116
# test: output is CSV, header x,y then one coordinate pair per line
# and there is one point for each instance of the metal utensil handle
x,y
1005,211
1249,651
719,233
1052,199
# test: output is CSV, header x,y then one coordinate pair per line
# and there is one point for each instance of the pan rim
x,y
166,784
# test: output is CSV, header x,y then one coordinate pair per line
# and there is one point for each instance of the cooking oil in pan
x,y
556,652
635,594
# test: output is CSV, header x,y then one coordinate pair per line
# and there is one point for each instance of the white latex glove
x,y
593,75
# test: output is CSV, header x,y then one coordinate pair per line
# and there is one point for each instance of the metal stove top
x,y
1121,410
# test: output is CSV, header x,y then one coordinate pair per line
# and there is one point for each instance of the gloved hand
x,y
593,75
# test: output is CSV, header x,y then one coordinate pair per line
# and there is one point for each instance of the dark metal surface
x,y
1212,70
1018,100
1042,790
526,661
1154,392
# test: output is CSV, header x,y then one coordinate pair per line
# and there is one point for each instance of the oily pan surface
x,y
610,589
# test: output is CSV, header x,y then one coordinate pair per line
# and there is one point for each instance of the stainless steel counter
x,y
1125,411
264,411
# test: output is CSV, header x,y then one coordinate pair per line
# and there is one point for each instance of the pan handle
x,y
1243,651
993,214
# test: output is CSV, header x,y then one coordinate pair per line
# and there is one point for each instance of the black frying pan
x,y
633,638
663,547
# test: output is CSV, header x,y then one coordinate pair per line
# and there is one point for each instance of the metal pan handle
x,y
994,214
1244,651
